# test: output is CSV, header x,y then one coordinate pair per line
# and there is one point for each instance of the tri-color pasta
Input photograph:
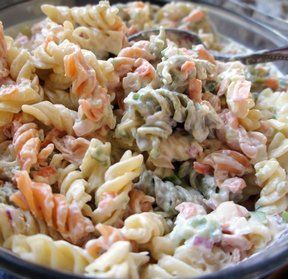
x,y
137,159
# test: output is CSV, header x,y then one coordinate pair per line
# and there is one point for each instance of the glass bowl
x,y
239,28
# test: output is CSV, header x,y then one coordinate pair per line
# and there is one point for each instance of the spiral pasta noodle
x,y
237,89
137,157
177,147
52,115
15,221
118,261
42,249
49,56
73,186
251,143
100,16
169,267
273,104
181,72
72,149
167,195
139,202
87,38
109,235
143,227
39,199
272,179
168,107
25,89
225,163
26,143
278,149
133,65
94,111
112,196
95,163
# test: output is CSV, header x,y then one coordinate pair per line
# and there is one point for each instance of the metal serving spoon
x,y
261,56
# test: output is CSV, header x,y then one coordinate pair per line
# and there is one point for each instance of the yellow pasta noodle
x,y
112,196
73,186
272,178
95,163
118,262
144,226
52,115
42,249
100,16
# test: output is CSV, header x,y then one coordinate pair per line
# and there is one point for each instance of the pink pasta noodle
x,y
66,218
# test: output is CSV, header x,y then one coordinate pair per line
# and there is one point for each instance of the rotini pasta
x,y
167,195
49,114
38,198
160,108
273,108
72,149
73,186
25,89
109,235
272,179
99,16
137,158
169,267
139,202
112,196
95,163
15,221
143,227
177,147
278,149
225,163
94,111
181,72
42,249
118,262
26,143
237,89
86,37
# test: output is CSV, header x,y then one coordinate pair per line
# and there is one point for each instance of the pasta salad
x,y
139,159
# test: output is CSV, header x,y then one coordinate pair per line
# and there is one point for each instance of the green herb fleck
x,y
136,96
285,216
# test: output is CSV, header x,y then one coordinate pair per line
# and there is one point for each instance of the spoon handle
x,y
260,56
